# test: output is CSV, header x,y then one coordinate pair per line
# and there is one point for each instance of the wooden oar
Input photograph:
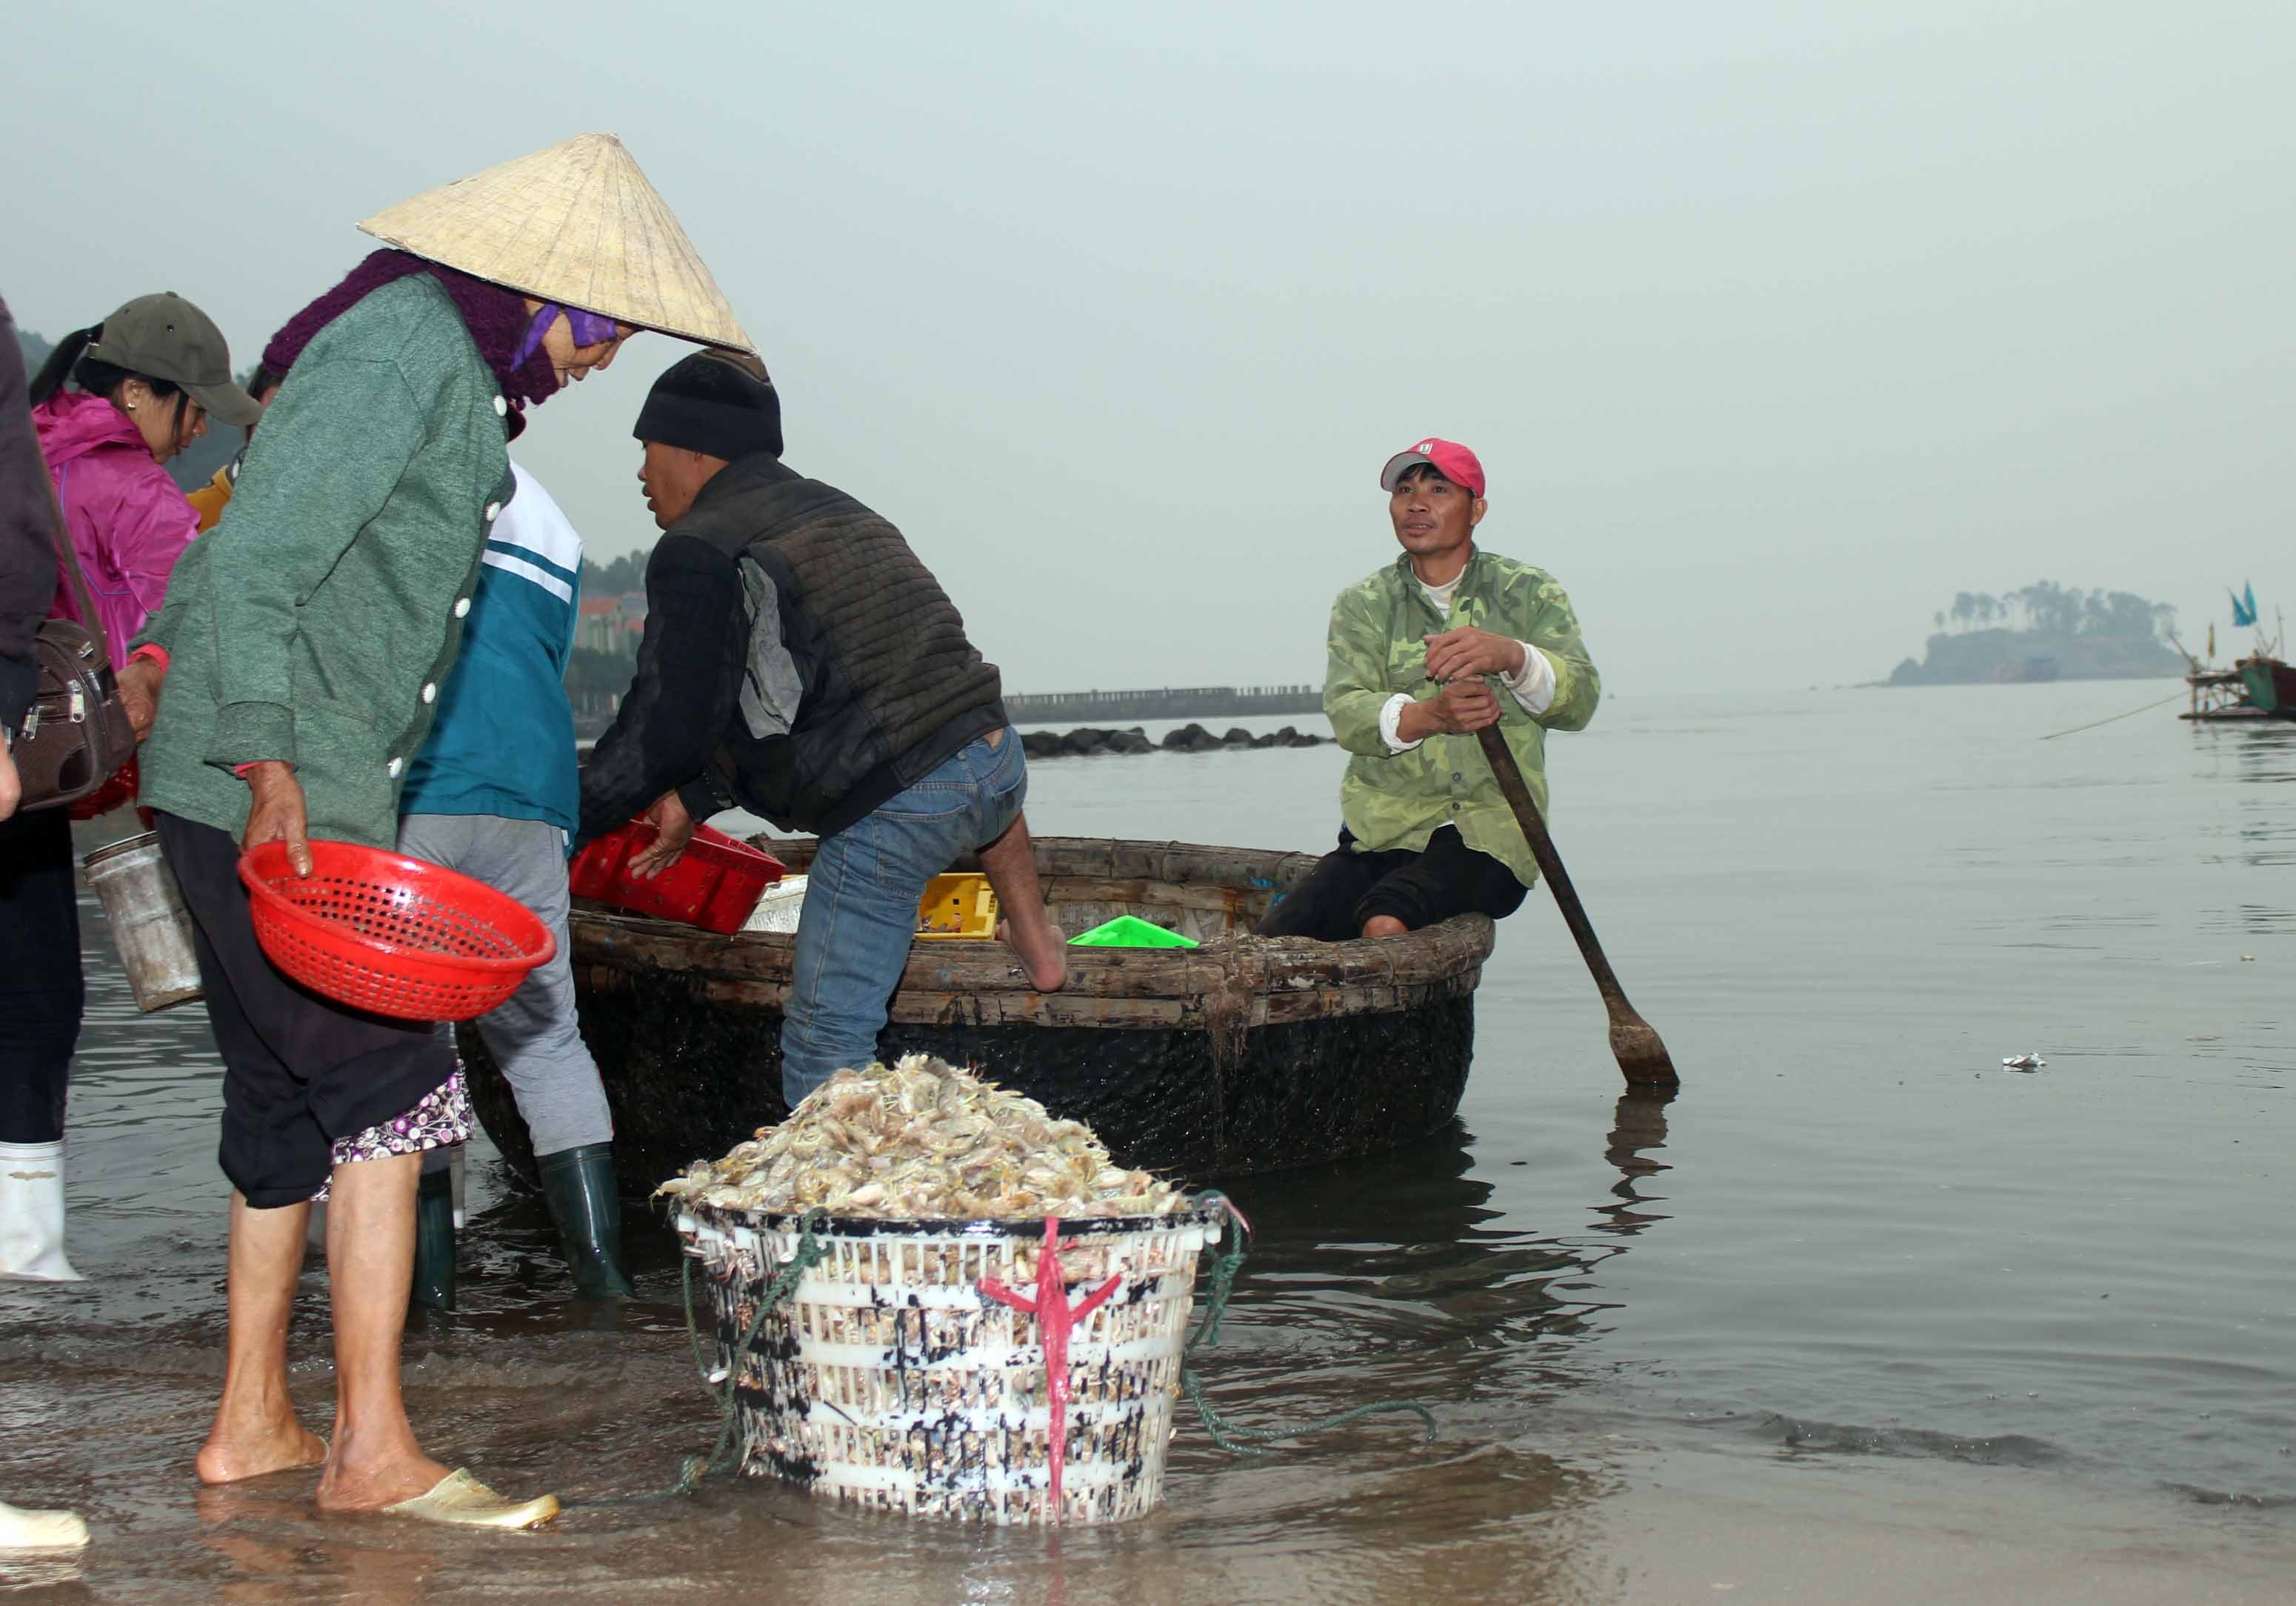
x,y
1642,1057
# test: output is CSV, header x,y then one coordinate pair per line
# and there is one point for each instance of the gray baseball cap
x,y
166,337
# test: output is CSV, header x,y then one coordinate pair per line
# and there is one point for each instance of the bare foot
x,y
1384,925
254,1451
1042,955
370,1483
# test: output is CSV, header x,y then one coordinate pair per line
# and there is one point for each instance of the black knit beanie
x,y
716,402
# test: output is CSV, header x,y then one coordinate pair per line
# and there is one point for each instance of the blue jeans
x,y
860,909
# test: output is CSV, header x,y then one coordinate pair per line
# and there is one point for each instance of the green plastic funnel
x,y
1130,932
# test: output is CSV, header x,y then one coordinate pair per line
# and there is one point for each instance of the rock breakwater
x,y
1091,741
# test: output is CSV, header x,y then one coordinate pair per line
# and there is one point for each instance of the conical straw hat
x,y
576,224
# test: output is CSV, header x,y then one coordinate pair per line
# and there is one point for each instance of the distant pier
x,y
1164,703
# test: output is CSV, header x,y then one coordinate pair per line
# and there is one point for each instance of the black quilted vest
x,y
892,686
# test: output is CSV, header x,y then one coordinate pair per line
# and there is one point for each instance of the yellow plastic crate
x,y
957,906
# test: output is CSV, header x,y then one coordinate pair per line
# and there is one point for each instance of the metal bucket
x,y
150,925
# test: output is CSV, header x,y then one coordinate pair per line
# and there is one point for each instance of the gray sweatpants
x,y
532,1033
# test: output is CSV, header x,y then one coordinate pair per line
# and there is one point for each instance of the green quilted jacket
x,y
317,622
1378,648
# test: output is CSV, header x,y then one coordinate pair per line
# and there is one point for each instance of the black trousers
x,y
299,1071
41,988
1346,889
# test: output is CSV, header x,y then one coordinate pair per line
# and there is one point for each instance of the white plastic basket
x,y
887,1379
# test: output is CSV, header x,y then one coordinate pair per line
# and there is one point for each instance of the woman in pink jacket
x,y
147,378
144,384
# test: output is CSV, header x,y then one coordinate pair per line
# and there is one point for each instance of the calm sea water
x,y
1856,1267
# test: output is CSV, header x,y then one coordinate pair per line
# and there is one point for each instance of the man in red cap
x,y
1443,642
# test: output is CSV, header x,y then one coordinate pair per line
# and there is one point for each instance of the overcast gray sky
x,y
1774,324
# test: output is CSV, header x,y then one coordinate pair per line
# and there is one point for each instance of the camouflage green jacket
x,y
1390,799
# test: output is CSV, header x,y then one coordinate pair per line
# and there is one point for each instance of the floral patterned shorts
x,y
439,1119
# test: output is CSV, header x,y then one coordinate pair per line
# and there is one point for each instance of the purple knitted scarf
x,y
496,318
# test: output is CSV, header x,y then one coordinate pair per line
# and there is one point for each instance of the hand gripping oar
x,y
1641,1056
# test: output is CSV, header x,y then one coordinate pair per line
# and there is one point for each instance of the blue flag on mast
x,y
2244,610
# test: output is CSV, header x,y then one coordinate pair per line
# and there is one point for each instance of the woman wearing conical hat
x,y
303,643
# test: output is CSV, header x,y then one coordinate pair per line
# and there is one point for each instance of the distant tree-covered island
x,y
2067,633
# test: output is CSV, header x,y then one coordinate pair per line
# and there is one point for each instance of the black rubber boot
x,y
579,1186
434,1242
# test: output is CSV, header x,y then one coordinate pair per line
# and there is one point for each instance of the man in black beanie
x,y
800,662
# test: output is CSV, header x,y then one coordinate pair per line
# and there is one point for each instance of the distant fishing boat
x,y
1239,1055
2260,686
2271,686
2257,687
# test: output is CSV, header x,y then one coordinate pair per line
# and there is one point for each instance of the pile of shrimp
x,y
923,1141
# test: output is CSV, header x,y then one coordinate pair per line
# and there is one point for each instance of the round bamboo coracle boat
x,y
1243,1054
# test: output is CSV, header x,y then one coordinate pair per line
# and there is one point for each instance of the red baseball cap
x,y
1448,458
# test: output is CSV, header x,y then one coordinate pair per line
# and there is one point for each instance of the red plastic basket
x,y
716,883
389,934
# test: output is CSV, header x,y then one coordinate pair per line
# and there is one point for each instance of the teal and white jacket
x,y
503,740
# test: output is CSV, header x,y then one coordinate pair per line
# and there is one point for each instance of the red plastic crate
x,y
714,885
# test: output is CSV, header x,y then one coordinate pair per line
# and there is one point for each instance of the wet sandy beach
x,y
1859,1315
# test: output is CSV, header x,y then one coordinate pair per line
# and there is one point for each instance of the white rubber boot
x,y
21,1529
32,1214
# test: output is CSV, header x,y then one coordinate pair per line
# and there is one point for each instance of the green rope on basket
x,y
694,1469
809,1253
1235,1240
1240,1441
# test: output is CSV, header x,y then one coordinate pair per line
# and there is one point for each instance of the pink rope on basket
x,y
1056,1316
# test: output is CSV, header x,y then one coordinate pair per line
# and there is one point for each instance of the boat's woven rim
x,y
1236,962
